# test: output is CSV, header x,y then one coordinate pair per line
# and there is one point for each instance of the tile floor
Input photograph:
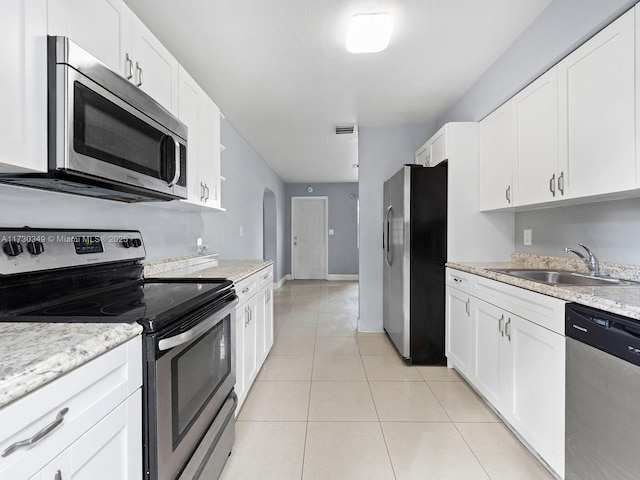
x,y
334,404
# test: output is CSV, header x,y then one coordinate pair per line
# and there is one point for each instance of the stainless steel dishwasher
x,y
603,395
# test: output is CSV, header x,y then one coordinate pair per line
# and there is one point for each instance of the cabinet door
x,y
155,70
260,320
268,319
23,86
497,148
250,346
459,330
535,114
438,147
489,332
597,112
111,449
209,151
190,95
240,387
534,387
98,26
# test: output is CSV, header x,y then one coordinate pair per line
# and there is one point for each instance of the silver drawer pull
x,y
265,277
245,290
457,280
38,436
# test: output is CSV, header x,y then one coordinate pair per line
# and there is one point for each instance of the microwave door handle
x,y
176,176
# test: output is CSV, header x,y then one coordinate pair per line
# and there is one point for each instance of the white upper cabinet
x,y
597,112
536,175
497,150
98,26
23,86
438,151
112,33
423,154
202,118
155,70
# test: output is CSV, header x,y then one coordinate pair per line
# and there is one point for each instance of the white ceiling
x,y
280,73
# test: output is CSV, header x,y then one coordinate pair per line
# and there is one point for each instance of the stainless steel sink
x,y
563,277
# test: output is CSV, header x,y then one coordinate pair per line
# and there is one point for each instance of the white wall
x,y
381,152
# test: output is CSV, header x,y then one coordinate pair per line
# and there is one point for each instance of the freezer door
x,y
395,258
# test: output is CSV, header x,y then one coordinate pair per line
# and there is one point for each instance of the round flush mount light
x,y
369,33
309,189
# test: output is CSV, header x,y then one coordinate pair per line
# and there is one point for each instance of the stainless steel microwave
x,y
107,138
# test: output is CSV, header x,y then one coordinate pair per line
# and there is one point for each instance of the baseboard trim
x,y
277,286
343,277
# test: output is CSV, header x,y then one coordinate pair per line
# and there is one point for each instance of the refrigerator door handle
x,y
388,248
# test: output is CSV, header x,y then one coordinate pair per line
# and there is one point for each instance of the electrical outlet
x,y
528,233
331,231
241,232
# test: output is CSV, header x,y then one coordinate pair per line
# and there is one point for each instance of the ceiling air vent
x,y
346,129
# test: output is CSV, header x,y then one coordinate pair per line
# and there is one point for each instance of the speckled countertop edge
x,y
234,270
33,354
623,300
155,267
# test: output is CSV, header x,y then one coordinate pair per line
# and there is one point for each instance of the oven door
x,y
188,383
98,135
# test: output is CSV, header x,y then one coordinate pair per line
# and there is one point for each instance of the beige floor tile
x,y
335,330
434,451
293,346
302,315
337,317
266,451
375,346
406,402
341,368
335,305
346,451
297,330
461,403
286,368
341,402
277,401
439,374
336,346
500,453
382,368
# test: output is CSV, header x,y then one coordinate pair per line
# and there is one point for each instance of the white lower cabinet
x,y
511,348
98,411
254,328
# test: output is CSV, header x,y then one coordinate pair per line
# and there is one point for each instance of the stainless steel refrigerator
x,y
415,252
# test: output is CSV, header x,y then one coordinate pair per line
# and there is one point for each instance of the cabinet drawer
x,y
246,288
548,312
89,393
265,277
458,279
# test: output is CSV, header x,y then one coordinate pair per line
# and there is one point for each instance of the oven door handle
x,y
195,332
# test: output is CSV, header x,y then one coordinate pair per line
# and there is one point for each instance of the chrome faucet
x,y
592,261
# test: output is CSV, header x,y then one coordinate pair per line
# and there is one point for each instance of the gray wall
x,y
167,233
343,244
381,152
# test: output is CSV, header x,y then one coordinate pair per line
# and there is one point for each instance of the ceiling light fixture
x,y
369,33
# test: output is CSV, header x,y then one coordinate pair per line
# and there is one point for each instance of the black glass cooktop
x,y
154,303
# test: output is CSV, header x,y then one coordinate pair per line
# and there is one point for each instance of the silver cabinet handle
x,y
552,185
508,332
245,290
507,194
201,191
265,277
206,187
500,328
58,475
247,313
457,280
129,67
466,307
139,70
561,183
38,436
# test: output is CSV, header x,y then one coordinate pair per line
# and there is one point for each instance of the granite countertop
x,y
623,300
32,354
234,270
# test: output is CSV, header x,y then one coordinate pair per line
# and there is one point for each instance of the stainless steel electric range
x,y
188,334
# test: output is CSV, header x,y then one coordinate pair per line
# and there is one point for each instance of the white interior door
x,y
309,237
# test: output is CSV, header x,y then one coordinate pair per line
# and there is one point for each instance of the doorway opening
x,y
309,237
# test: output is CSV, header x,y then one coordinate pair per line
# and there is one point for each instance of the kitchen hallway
x,y
333,404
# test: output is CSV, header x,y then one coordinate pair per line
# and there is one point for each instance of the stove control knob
x,y
136,242
13,249
126,243
35,248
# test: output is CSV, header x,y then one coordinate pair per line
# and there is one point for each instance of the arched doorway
x,y
269,229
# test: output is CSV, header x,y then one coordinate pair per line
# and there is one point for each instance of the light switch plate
x,y
528,233
331,231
